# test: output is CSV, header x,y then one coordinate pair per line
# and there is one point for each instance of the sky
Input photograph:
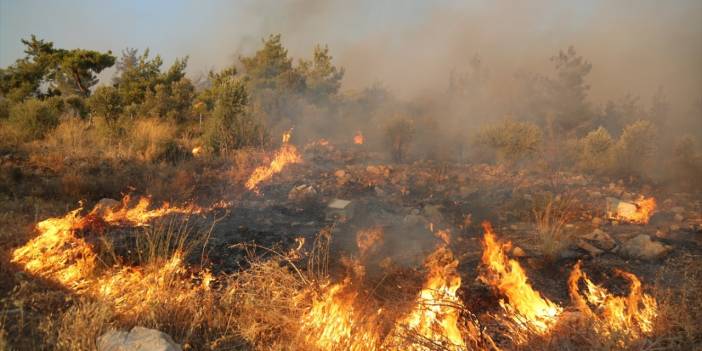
x,y
409,46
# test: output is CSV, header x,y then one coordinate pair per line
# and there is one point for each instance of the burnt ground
x,y
407,199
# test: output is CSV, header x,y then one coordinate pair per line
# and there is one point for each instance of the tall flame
x,y
335,323
632,315
285,155
525,306
435,315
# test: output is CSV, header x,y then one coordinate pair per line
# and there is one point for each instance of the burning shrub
x,y
79,327
512,141
398,135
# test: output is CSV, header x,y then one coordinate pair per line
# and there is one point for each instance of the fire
x,y
632,315
140,214
59,254
358,138
336,323
639,211
525,306
285,155
56,253
435,315
366,239
341,320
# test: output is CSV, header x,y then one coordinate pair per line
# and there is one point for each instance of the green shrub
x,y
633,152
595,152
231,126
106,102
33,118
512,141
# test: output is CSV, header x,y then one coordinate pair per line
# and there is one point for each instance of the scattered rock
x,y
138,339
591,249
600,239
642,247
678,217
340,173
302,193
433,212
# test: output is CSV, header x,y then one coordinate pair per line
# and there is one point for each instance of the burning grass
x,y
287,154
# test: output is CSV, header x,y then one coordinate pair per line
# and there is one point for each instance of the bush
x,y
398,135
633,153
231,126
595,152
152,139
106,102
512,141
33,118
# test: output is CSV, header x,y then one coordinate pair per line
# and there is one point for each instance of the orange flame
x,y
58,253
285,155
632,315
358,138
335,323
435,315
639,212
524,305
366,239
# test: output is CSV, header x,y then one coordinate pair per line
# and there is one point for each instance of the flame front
x,y
287,154
59,254
525,306
358,138
632,315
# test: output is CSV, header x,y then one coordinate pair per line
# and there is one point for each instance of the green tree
x,y
62,71
322,78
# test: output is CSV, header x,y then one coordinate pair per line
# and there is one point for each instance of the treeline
x,y
155,113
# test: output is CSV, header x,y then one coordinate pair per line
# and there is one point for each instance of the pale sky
x,y
634,45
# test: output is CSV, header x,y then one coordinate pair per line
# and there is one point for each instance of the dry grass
x,y
550,219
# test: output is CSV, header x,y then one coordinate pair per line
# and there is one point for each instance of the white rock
x,y
138,339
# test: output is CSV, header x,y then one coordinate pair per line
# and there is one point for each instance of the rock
x,y
642,247
338,204
591,249
414,219
600,239
138,339
617,208
338,208
105,206
340,173
302,193
678,217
